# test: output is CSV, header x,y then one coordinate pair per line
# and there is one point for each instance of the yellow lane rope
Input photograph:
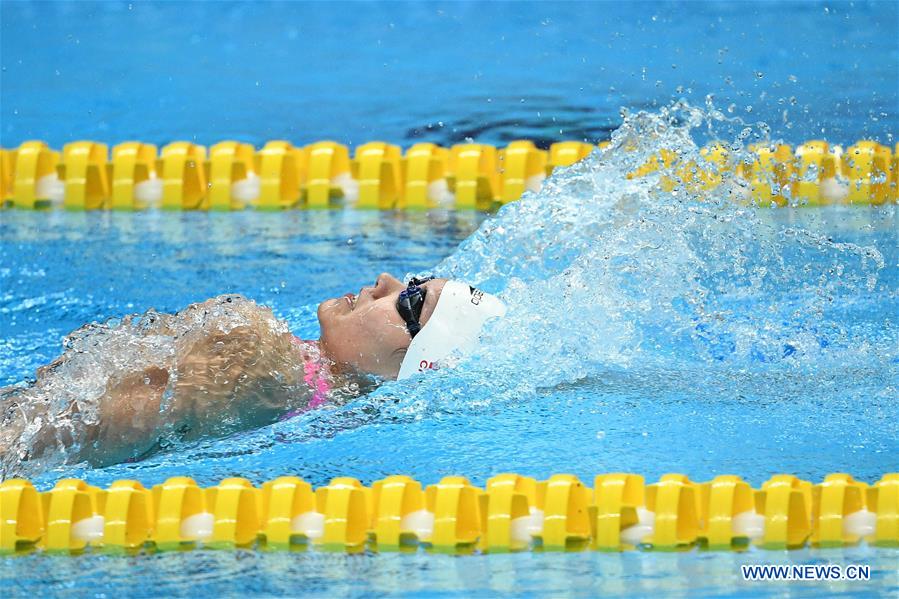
x,y
398,513
232,175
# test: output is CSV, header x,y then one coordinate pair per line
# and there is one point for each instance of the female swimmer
x,y
122,392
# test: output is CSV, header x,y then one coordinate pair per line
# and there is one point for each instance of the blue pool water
x,y
648,331
441,72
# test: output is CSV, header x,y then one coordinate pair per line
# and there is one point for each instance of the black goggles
x,y
410,303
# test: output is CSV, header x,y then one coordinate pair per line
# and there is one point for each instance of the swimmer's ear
x,y
397,357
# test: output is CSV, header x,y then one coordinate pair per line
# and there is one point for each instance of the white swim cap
x,y
455,324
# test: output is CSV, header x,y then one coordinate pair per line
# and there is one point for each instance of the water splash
x,y
607,272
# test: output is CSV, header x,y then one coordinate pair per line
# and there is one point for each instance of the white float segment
x,y
247,190
149,191
535,526
420,522
861,523
644,528
309,524
349,186
834,191
198,527
89,530
50,187
748,524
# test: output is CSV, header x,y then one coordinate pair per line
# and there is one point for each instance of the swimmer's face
x,y
365,331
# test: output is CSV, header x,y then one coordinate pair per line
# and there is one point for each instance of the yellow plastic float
x,y
7,168
35,183
523,168
620,504
282,168
84,173
378,172
396,501
135,184
475,175
566,153
426,168
286,501
183,176
867,166
128,517
816,170
233,183
785,502
328,174
345,505
724,500
510,505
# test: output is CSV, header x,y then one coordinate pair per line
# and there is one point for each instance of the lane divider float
x,y
233,176
511,513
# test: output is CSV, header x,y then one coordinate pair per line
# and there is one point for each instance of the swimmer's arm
x,y
222,381
219,382
244,378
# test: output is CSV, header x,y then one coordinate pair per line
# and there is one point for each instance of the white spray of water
x,y
602,271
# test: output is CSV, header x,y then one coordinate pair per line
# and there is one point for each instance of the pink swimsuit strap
x,y
318,382
316,377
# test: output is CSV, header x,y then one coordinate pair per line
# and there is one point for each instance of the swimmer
x,y
125,391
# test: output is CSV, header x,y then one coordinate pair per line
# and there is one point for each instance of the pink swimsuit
x,y
317,380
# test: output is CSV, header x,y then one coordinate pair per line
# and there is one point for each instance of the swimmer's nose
x,y
385,285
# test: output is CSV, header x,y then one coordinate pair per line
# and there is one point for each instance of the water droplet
x,y
759,74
